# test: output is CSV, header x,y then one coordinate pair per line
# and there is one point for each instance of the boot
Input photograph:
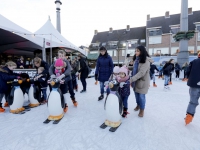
x,y
83,91
1,109
76,88
170,83
101,97
124,115
66,108
74,102
6,104
141,113
183,79
154,84
188,119
137,108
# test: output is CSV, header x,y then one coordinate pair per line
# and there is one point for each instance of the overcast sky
x,y
79,18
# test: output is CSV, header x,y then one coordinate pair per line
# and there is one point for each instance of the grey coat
x,y
142,78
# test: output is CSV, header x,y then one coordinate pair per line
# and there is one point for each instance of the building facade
x,y
157,36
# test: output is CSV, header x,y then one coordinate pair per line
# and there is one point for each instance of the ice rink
x,y
161,128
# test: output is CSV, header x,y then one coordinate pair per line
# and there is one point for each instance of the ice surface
x,y
161,128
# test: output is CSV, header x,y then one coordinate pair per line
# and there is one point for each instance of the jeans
x,y
194,98
1,97
125,101
140,100
83,81
44,93
102,88
166,80
154,78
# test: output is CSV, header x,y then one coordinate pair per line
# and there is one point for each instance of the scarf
x,y
135,70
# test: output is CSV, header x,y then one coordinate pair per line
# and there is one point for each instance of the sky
x,y
79,18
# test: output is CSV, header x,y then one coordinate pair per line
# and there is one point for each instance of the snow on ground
x,y
161,128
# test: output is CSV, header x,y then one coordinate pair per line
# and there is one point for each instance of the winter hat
x,y
116,69
59,63
124,70
199,54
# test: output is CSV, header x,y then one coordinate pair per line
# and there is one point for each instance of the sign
x,y
48,43
30,72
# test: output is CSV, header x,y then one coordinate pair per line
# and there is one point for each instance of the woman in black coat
x,y
84,72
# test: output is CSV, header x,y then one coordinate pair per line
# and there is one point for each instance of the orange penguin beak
x,y
52,83
20,81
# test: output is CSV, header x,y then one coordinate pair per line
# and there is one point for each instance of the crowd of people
x,y
135,74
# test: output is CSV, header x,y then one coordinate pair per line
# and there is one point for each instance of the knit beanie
x,y
59,63
124,70
116,69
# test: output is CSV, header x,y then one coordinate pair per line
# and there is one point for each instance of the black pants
x,y
184,74
177,73
83,81
71,89
170,77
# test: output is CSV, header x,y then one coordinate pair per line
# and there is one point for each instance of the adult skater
x,y
104,69
193,74
140,78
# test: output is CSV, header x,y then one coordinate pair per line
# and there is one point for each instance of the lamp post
x,y
183,55
58,3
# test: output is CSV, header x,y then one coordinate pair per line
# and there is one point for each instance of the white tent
x,y
55,39
16,39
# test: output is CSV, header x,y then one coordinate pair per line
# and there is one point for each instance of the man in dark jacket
x,y
193,74
84,72
104,69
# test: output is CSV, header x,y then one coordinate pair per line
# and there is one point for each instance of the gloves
x,y
96,76
53,76
106,83
198,83
122,84
60,77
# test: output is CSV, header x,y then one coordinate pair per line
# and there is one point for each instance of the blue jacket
x,y
193,73
104,67
4,78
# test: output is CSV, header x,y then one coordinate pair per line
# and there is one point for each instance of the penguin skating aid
x,y
16,98
34,95
113,107
55,103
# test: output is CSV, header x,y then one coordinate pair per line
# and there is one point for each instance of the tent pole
x,y
51,50
44,50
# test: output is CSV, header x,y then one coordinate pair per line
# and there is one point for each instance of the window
x,y
93,52
174,50
142,41
155,39
123,52
131,52
155,32
115,53
198,28
157,51
110,53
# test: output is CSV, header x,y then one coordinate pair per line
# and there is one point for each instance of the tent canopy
x,y
55,39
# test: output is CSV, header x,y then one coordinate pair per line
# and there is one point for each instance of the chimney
x,y
148,18
167,14
128,28
95,32
190,11
110,30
